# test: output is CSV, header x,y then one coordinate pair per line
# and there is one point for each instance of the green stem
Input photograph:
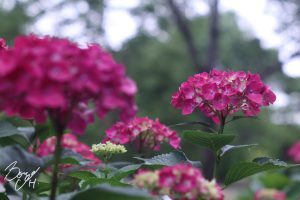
x,y
222,124
215,172
105,161
217,155
57,158
24,196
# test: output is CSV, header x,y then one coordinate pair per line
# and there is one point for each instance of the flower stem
x,y
222,125
217,155
57,157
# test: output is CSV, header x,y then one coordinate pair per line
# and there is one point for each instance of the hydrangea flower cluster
x,y
294,152
269,194
70,142
51,76
222,93
179,182
150,133
108,148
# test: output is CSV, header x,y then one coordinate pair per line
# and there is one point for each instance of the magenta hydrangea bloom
x,y
69,141
51,76
179,182
2,44
147,132
222,93
294,152
269,194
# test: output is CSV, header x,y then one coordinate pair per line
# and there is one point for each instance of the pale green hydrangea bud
x,y
146,179
210,189
108,148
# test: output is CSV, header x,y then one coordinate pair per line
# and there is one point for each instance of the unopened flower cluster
x,y
222,93
294,152
269,194
145,131
179,182
51,76
108,148
69,141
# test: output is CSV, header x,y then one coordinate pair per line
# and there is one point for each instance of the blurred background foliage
x,y
178,44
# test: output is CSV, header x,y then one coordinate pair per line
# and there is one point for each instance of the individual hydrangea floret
x,y
47,76
146,132
69,141
294,152
179,182
222,93
269,194
108,148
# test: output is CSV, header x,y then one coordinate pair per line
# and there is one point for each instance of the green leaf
x,y
245,169
234,118
206,125
10,134
125,171
108,192
26,161
96,181
17,157
275,180
293,191
82,175
7,129
209,140
228,148
169,159
43,188
68,157
3,196
64,196
155,162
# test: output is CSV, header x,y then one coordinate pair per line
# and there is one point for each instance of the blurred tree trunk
x,y
214,34
186,33
212,61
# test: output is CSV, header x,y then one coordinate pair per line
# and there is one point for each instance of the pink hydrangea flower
x,y
2,44
269,194
147,132
222,93
70,142
51,76
179,182
294,152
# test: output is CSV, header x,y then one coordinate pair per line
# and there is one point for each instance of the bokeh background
x,y
162,42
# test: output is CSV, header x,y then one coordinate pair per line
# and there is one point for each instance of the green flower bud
x,y
108,148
